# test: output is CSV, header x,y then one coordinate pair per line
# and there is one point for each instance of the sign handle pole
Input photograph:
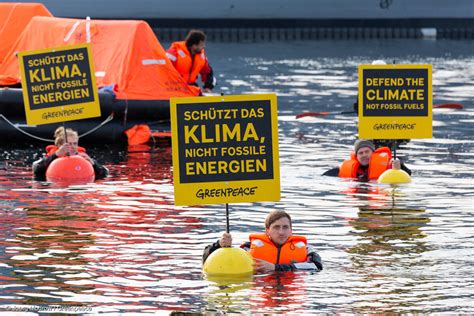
x,y
65,135
227,226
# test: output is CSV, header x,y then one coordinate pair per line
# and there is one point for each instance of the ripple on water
x,y
120,245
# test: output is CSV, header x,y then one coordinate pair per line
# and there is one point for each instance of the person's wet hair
x,y
273,216
59,137
195,37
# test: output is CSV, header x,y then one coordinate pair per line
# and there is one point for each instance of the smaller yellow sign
x,y
225,149
58,84
395,101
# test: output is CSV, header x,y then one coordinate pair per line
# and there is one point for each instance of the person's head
x,y
195,41
364,149
278,227
60,137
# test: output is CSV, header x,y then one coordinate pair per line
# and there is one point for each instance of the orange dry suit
x,y
293,250
379,162
190,66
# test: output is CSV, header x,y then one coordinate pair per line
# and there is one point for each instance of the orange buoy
x,y
70,170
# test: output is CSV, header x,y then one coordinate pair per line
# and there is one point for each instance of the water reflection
x,y
227,294
385,226
43,251
270,293
148,161
388,232
280,292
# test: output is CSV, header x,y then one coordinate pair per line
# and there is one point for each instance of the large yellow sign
x,y
58,84
395,101
225,149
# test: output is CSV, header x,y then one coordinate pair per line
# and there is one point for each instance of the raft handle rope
x,y
26,133
74,27
71,31
108,119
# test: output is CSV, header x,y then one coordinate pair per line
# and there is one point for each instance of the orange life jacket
x,y
51,149
294,249
379,162
188,68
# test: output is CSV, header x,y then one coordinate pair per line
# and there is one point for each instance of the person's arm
x,y
172,54
334,172
314,257
405,168
207,76
224,241
100,171
246,246
210,249
313,263
397,164
40,166
285,267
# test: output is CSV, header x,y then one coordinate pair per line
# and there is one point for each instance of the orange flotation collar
x,y
51,149
379,162
294,249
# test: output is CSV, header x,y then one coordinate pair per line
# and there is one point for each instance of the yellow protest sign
x,y
225,149
58,84
395,101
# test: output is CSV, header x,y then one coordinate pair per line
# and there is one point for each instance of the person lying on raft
x,y
277,249
367,163
62,149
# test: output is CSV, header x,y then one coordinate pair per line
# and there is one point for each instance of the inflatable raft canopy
x,y
133,74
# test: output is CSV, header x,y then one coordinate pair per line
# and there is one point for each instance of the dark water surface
x,y
120,245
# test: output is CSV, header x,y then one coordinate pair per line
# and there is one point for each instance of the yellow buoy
x,y
229,261
394,176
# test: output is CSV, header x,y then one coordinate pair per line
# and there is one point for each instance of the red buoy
x,y
70,170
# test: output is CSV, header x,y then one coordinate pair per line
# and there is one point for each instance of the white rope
x,y
108,119
26,133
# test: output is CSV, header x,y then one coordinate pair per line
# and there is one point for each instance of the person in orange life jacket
x,y
277,249
367,163
189,58
62,149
